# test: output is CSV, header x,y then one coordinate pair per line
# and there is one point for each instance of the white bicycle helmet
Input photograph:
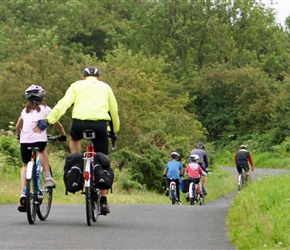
x,y
194,158
35,93
174,155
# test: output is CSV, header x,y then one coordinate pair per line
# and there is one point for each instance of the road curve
x,y
131,226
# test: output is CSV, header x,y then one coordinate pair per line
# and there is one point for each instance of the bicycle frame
x,y
243,179
89,159
38,197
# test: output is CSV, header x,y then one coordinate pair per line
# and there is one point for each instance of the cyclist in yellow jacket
x,y
94,107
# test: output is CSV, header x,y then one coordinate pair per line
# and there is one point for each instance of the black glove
x,y
164,175
61,138
18,137
113,136
42,124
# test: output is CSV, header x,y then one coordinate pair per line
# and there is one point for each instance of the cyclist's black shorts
x,y
101,142
241,166
26,153
195,180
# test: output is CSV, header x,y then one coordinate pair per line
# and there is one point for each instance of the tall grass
x,y
259,216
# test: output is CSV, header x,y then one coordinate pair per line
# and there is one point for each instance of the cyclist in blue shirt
x,y
173,170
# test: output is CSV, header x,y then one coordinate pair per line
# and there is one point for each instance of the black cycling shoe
x,y
22,208
167,192
105,208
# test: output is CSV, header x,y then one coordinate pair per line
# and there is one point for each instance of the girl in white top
x,y
34,110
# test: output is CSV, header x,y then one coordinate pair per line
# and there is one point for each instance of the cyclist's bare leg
x,y
199,187
44,160
49,181
23,176
204,181
104,193
74,145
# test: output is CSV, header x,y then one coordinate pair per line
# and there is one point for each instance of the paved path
x,y
126,227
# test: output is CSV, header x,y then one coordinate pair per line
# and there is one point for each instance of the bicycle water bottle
x,y
39,169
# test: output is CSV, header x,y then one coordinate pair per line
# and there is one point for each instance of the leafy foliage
x,y
182,71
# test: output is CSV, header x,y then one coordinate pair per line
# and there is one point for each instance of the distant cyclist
x,y
203,162
193,170
94,106
172,171
242,159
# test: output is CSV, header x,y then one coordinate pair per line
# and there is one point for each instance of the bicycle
x,y
172,191
92,194
194,193
243,179
38,197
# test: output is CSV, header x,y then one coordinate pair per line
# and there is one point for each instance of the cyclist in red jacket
x,y
242,159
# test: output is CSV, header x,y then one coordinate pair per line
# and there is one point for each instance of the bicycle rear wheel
x,y
201,201
191,194
173,196
31,204
240,182
89,205
96,209
44,197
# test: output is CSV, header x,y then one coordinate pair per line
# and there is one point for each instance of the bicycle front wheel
x,y
44,197
31,204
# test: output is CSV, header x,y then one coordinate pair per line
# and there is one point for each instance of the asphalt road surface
x,y
131,226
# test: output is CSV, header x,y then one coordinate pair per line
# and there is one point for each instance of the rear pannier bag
x,y
73,172
185,185
102,159
104,175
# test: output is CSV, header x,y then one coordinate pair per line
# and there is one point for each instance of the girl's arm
x,y
19,125
201,171
60,128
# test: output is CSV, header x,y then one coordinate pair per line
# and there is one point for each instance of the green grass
x,y
259,216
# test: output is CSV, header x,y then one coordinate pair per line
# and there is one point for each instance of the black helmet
x,y
200,145
34,93
243,147
91,71
174,155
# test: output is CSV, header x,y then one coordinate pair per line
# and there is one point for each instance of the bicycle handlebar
x,y
114,138
56,138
